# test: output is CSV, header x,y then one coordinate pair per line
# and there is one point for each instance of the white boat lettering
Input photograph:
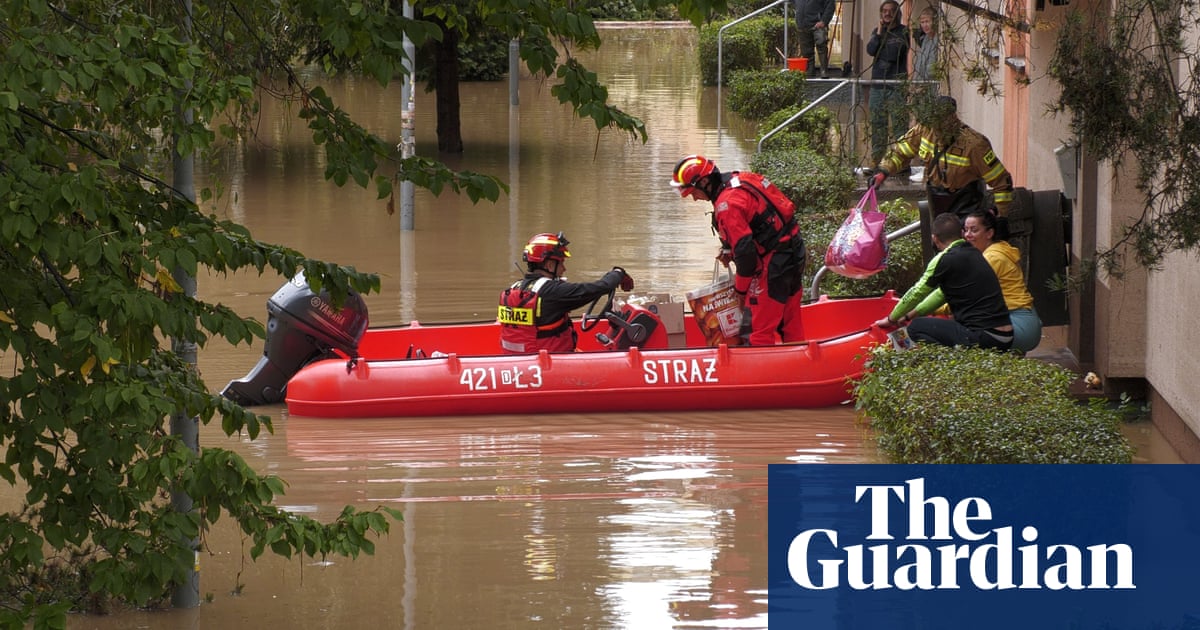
x,y
487,379
680,371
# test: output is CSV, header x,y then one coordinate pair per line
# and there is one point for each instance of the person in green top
x,y
960,277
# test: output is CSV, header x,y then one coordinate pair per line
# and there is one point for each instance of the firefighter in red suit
x,y
535,312
757,227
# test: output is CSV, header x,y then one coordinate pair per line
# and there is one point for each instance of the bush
x,y
813,180
817,128
937,405
904,266
749,45
627,10
756,94
483,56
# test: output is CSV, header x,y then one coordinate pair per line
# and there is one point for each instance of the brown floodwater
x,y
556,520
588,521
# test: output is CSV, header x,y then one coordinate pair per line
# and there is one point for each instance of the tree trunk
x,y
445,81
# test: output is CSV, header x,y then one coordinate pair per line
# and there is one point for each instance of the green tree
x,y
92,229
1129,85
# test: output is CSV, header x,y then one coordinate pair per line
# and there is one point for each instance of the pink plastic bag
x,y
860,248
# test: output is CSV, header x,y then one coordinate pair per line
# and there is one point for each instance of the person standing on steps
x,y
889,47
960,166
812,24
926,58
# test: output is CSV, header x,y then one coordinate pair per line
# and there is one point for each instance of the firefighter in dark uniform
x,y
535,312
960,166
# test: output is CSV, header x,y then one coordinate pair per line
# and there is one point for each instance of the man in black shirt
x,y
959,276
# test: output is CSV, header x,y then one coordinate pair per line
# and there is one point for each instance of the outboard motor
x,y
301,327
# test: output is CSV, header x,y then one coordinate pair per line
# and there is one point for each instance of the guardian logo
x,y
980,547
953,542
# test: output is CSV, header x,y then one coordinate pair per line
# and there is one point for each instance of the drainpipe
x,y
408,144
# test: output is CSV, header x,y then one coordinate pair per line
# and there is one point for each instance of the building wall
x,y
1172,359
1142,325
1120,302
1046,132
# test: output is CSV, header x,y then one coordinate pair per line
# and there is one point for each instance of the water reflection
x,y
593,521
558,521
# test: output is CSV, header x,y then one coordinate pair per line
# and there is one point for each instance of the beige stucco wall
x,y
1121,302
1172,356
1046,132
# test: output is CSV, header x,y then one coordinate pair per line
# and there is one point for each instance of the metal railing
x,y
721,50
854,84
840,84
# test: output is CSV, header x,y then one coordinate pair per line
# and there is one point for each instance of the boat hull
x,y
473,378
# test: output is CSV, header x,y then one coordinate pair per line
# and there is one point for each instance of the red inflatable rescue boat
x,y
633,364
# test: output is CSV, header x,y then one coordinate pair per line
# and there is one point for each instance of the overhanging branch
x,y
989,14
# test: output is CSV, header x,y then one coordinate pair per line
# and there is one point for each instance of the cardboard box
x,y
671,314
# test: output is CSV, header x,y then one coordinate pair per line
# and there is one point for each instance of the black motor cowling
x,y
301,327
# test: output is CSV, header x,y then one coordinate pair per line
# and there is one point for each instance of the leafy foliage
x,y
90,239
944,405
1131,103
748,45
811,179
757,94
482,55
96,102
628,10
818,128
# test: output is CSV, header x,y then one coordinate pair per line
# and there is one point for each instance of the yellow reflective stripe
x,y
515,316
996,172
957,160
928,148
1003,196
903,151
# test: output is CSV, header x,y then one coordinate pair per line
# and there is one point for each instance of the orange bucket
x,y
797,63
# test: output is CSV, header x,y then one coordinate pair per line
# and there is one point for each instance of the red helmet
x,y
546,246
689,171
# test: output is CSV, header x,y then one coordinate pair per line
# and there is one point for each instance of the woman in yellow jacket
x,y
979,229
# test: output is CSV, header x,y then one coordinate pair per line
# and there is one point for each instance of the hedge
x,y
938,405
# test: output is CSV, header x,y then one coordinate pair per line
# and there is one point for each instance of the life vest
x,y
518,314
776,223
